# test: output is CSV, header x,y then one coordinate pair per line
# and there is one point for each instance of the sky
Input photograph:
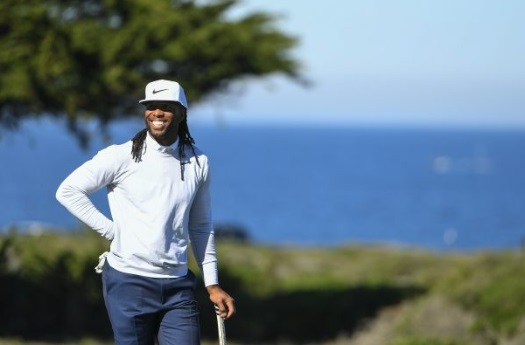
x,y
431,63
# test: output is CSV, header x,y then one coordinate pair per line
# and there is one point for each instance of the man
x,y
158,189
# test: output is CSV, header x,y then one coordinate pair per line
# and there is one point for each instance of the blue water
x,y
436,189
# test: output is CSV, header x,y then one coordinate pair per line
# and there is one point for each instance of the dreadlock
x,y
138,143
185,139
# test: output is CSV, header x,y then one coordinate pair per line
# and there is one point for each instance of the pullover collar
x,y
153,144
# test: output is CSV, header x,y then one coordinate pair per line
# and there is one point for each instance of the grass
x,y
352,295
465,298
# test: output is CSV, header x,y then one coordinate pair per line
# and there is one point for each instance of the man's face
x,y
162,120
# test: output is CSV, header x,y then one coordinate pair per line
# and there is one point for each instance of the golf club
x,y
220,326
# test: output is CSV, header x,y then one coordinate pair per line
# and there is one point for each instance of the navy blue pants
x,y
143,309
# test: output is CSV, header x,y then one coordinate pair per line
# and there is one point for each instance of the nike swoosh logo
x,y
157,91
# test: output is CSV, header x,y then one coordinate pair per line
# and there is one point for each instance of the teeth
x,y
157,123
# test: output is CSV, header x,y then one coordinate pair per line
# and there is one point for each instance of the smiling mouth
x,y
157,123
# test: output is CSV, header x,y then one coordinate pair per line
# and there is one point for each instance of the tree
x,y
84,59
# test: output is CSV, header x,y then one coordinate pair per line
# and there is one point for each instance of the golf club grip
x,y
222,330
220,327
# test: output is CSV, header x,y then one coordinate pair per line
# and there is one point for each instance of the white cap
x,y
165,91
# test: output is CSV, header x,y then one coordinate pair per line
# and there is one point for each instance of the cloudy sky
x,y
446,63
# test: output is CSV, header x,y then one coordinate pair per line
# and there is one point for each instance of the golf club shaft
x,y
220,327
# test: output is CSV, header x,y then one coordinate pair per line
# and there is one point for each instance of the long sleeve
x,y
155,215
73,192
201,231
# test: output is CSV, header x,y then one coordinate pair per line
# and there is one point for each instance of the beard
x,y
165,137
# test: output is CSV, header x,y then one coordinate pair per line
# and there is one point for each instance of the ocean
x,y
437,189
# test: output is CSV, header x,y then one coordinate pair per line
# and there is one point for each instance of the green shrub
x,y
48,288
424,341
490,285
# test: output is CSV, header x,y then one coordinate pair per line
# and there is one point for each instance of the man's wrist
x,y
212,288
